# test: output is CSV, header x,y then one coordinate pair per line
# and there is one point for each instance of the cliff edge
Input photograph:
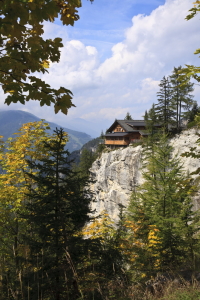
x,y
117,173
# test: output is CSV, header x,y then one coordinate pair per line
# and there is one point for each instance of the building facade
x,y
124,132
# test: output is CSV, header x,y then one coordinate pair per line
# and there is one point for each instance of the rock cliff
x,y
118,172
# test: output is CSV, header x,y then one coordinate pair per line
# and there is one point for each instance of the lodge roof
x,y
128,125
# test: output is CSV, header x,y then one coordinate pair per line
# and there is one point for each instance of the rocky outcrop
x,y
118,172
115,174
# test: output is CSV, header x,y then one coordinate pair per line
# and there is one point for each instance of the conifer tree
x,y
86,160
128,116
190,115
181,95
56,212
161,210
151,119
164,108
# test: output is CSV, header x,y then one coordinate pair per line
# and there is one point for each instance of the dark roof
x,y
143,133
128,125
116,134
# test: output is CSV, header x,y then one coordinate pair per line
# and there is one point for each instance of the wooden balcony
x,y
117,142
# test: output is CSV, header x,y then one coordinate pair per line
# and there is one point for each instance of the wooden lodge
x,y
124,132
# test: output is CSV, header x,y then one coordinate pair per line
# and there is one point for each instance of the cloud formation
x,y
128,79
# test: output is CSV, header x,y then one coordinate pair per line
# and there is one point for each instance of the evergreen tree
x,y
164,109
128,116
161,210
86,160
190,115
56,212
181,95
151,119
102,135
153,133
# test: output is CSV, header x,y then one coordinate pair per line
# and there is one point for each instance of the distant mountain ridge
x,y
12,120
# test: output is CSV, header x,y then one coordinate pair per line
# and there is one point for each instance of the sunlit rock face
x,y
181,144
118,172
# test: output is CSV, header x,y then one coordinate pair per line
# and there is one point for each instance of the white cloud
x,y
128,79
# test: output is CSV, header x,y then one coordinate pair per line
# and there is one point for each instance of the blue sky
x,y
103,23
114,58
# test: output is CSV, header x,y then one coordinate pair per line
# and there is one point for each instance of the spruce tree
x,y
161,210
56,212
190,115
128,116
164,108
181,95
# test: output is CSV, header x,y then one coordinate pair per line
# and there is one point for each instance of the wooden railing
x,y
116,142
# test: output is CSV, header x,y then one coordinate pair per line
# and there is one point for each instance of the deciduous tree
x,y
24,51
14,186
191,71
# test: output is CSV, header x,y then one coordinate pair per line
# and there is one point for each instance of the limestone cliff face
x,y
117,173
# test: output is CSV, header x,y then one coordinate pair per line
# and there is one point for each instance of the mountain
x,y
12,120
87,126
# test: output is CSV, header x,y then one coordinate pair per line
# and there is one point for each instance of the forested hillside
x,y
12,120
55,244
52,247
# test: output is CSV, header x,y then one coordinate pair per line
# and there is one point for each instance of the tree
x,y
108,262
23,50
128,116
14,186
164,108
86,160
193,112
161,211
181,97
56,212
191,71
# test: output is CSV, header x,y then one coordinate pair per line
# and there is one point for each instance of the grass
x,y
189,293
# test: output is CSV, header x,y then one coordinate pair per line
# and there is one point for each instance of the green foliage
x,y
174,103
13,181
56,212
164,109
194,152
23,50
128,116
181,97
191,71
183,294
161,210
193,112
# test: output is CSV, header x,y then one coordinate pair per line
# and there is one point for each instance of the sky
x,y
114,58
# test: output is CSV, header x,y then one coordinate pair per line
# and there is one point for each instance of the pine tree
x,y
190,115
151,119
128,116
56,212
86,160
181,96
161,210
164,109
